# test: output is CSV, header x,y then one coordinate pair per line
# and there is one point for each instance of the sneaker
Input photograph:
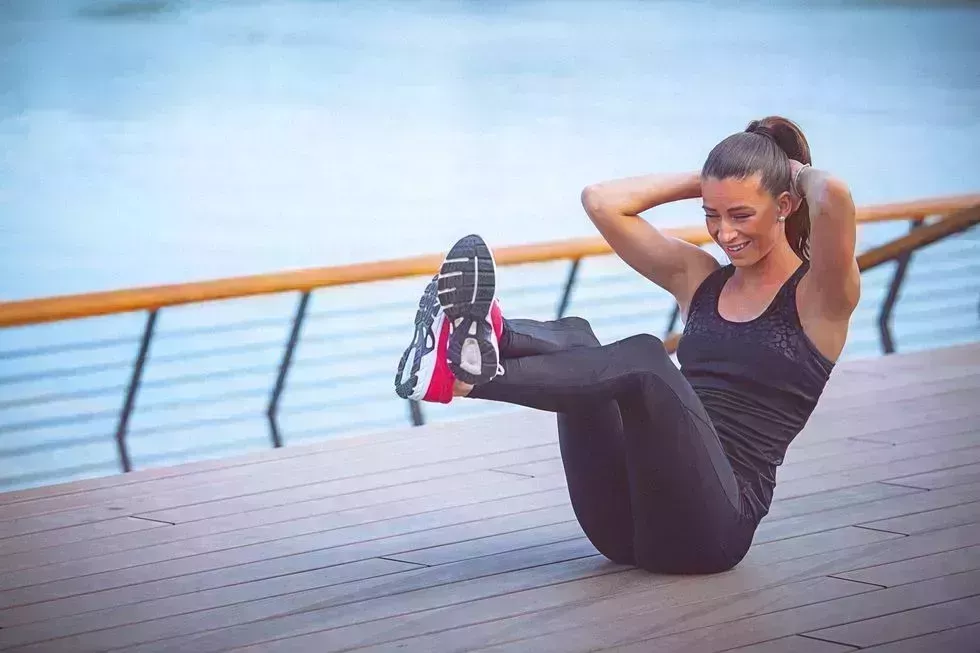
x,y
429,377
467,293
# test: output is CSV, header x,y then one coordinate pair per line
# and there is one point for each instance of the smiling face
x,y
742,217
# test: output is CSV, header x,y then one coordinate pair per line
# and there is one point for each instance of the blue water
x,y
155,142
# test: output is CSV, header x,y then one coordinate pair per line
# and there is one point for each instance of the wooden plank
x,y
660,608
863,423
141,481
72,535
933,519
588,581
883,412
906,624
837,498
943,478
537,546
267,595
955,640
883,471
951,442
903,389
968,424
251,553
485,546
865,512
139,550
392,457
351,605
429,529
312,516
302,535
837,463
384,481
630,636
480,634
849,389
593,615
794,644
227,500
54,521
918,569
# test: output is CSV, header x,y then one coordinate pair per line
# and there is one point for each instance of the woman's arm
x,y
835,284
673,264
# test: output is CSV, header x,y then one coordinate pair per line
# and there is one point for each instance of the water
x,y
153,142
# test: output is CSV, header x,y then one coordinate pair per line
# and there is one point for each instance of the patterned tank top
x,y
759,380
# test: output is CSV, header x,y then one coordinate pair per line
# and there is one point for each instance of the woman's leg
x,y
590,437
684,499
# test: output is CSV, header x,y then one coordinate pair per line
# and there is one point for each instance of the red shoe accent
x,y
497,319
441,384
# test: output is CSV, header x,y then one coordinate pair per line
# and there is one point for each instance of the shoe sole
x,y
424,341
467,287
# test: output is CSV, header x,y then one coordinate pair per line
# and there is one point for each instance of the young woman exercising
x,y
670,470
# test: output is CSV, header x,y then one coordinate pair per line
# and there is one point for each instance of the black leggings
x,y
647,476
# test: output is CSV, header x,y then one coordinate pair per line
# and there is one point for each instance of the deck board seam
x,y
828,641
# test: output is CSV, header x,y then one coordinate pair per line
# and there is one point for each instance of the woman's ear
x,y
786,205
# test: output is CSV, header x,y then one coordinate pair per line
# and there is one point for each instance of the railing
x,y
949,216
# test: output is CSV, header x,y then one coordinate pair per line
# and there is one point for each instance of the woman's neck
x,y
773,269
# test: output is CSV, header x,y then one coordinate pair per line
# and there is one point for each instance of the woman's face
x,y
743,218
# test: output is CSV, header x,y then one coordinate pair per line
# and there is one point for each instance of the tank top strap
x,y
706,295
786,298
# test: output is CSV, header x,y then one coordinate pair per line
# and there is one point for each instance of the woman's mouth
x,y
734,249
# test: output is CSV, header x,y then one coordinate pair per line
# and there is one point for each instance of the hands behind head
x,y
795,192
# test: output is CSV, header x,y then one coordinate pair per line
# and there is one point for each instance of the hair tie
x,y
756,127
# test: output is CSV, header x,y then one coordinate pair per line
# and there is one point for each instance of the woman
x,y
671,470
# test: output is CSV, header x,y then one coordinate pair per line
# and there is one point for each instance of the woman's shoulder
x,y
709,287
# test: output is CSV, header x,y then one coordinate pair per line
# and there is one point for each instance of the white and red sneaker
x,y
429,377
467,293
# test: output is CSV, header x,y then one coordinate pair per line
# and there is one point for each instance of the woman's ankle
x,y
461,389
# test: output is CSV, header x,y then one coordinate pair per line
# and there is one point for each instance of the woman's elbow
x,y
594,202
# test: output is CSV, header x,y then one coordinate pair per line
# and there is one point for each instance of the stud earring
x,y
782,218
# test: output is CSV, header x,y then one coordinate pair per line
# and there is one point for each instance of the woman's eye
x,y
741,217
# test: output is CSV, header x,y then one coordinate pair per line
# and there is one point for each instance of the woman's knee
x,y
582,328
644,345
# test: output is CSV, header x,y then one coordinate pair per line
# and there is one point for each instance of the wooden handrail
x,y
66,307
925,235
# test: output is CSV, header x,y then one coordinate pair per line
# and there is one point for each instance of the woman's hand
x,y
795,190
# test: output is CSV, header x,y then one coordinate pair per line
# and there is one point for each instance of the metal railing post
x,y
287,358
674,315
415,412
134,384
569,284
888,305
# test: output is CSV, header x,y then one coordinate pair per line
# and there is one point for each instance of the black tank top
x,y
759,381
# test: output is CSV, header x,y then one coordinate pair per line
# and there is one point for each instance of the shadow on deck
x,y
459,536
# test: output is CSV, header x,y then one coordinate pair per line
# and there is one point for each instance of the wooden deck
x,y
459,536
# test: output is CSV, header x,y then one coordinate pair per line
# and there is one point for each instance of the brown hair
x,y
766,146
